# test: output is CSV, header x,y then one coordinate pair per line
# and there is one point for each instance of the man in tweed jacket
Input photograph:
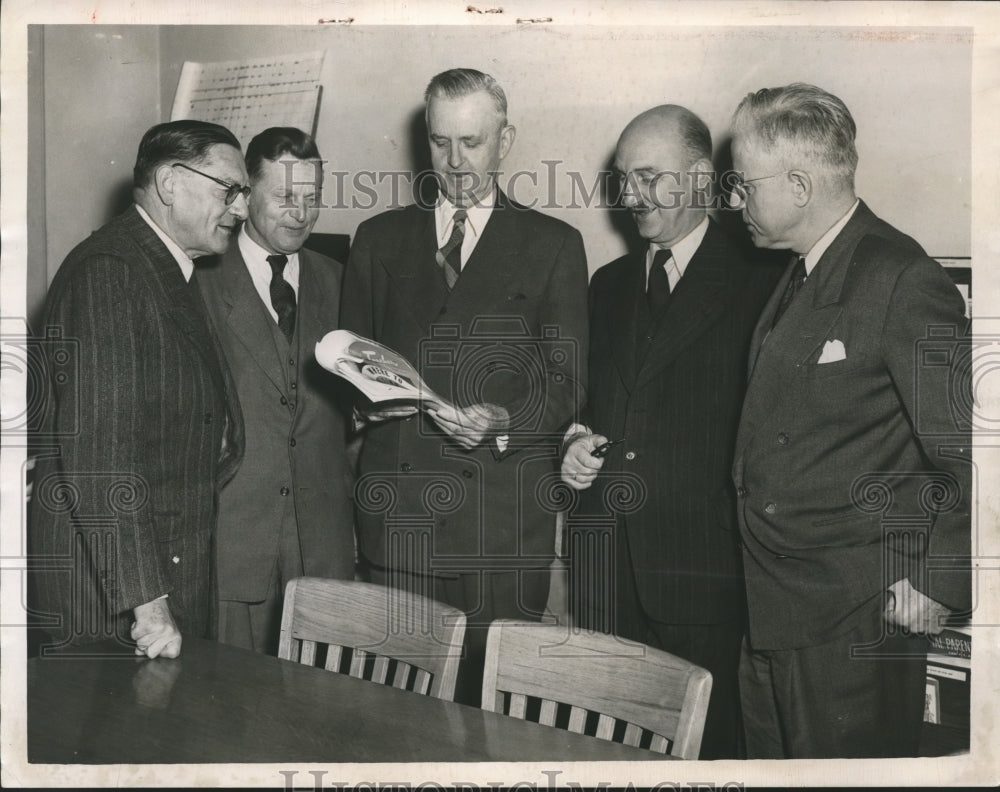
x,y
123,518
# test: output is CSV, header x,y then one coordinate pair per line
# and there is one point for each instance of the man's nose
x,y
300,211
238,208
629,199
455,157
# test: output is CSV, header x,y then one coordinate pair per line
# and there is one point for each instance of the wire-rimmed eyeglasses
x,y
232,190
740,191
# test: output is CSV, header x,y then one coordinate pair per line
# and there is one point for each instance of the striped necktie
x,y
282,296
658,289
794,284
449,258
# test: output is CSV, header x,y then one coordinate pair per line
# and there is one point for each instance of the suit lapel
x,y
247,317
623,317
414,269
698,299
317,315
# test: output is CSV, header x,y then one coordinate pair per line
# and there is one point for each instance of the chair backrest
x,y
382,634
594,683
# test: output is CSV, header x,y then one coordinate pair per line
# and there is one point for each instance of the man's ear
x,y
802,186
507,135
165,182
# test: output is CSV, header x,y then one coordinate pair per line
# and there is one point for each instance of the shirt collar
x,y
476,217
255,257
683,250
819,248
183,259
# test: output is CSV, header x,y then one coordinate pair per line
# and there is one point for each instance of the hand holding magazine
x,y
378,372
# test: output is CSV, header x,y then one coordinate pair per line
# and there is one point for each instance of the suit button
x,y
630,455
406,467
741,492
770,508
467,473
284,492
291,361
284,401
782,438
292,442
292,386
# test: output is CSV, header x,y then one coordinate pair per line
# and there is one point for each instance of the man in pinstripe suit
x,y
667,371
123,519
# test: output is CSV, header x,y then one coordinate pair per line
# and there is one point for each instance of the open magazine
x,y
377,371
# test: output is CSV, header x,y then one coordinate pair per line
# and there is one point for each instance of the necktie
x,y
449,258
282,296
658,289
797,279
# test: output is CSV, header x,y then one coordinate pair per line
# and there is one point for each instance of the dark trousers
x,y
483,596
822,702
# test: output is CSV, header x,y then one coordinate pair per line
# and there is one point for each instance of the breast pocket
x,y
836,368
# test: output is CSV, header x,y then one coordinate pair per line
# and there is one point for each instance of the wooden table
x,y
217,703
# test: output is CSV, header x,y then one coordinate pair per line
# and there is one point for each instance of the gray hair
x,y
813,122
456,83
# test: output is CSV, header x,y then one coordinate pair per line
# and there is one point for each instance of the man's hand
x,y
914,611
154,631
579,468
389,413
469,426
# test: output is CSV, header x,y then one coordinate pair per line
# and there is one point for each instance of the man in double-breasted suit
x,y
666,377
287,511
123,514
852,462
488,300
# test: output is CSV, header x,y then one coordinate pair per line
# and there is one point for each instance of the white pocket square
x,y
832,352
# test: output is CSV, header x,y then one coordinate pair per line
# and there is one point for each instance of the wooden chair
x,y
593,683
381,634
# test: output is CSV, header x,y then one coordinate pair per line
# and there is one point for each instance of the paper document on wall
x,y
378,372
248,96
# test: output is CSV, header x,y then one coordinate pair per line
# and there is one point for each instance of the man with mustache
x,y
669,329
488,300
287,512
123,515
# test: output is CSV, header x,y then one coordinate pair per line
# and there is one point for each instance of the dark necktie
x,y
449,258
794,284
282,296
658,290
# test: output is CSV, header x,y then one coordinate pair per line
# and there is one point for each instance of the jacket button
x,y
284,401
291,361
770,508
741,492
782,438
284,492
292,386
630,455
406,467
467,473
292,442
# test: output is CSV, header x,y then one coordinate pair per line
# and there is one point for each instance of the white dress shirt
x,y
477,216
681,253
183,259
260,271
819,248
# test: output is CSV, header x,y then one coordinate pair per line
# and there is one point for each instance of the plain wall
x,y
570,91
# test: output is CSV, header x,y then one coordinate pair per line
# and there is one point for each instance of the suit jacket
x,y
855,473
295,429
676,399
124,507
512,332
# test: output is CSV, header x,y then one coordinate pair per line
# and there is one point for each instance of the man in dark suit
x,y
287,511
123,516
852,464
488,300
669,330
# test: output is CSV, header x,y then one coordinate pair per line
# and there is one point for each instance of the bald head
x,y
664,162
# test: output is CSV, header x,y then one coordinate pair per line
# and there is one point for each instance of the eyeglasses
x,y
741,192
232,190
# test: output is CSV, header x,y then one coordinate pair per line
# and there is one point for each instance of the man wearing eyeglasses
x,y
286,512
670,326
123,518
852,460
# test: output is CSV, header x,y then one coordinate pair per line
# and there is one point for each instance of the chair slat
x,y
333,655
518,705
659,744
381,669
422,684
402,675
308,653
633,734
358,663
577,719
605,727
547,714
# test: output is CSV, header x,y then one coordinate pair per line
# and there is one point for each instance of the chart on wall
x,y
247,96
